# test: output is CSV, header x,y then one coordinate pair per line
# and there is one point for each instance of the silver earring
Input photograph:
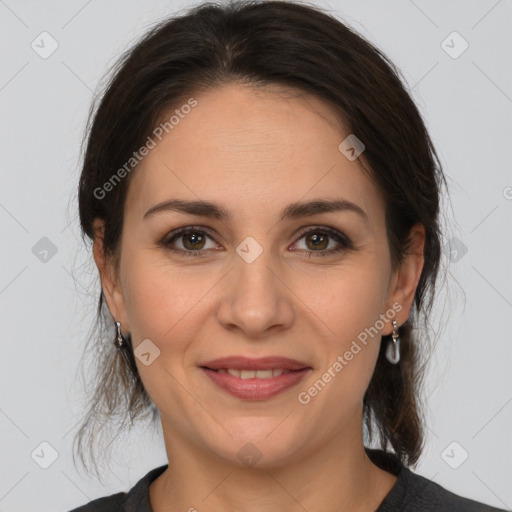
x,y
393,348
119,341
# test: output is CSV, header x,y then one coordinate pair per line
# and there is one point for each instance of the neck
x,y
336,477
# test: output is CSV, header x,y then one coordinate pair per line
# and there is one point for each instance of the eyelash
x,y
343,240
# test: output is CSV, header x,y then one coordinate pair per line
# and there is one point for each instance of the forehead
x,y
247,148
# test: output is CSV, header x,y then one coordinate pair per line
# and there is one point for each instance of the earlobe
x,y
408,275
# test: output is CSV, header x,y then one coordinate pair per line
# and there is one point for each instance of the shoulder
x,y
111,503
137,498
415,493
424,494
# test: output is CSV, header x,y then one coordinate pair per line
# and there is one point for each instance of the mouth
x,y
252,374
246,364
255,379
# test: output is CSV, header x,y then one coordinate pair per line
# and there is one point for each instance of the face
x,y
254,284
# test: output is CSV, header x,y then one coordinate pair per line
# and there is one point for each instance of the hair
x,y
304,49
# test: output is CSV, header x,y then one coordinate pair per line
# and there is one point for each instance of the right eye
x,y
193,240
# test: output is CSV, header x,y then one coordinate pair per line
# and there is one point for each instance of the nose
x,y
256,299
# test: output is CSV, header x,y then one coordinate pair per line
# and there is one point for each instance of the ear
x,y
108,275
405,279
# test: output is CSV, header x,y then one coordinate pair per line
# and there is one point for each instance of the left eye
x,y
193,241
319,240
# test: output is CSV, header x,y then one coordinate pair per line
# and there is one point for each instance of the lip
x,y
261,363
255,389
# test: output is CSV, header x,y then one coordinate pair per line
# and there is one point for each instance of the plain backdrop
x,y
47,302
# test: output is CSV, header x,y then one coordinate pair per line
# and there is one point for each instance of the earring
x,y
393,348
119,341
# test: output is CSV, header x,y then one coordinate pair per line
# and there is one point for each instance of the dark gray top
x,y
411,493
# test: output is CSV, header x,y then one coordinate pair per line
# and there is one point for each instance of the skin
x,y
255,152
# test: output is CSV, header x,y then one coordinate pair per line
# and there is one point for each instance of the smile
x,y
254,374
255,384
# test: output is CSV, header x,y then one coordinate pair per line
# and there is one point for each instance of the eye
x,y
193,241
318,238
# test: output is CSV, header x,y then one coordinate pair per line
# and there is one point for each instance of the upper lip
x,y
247,363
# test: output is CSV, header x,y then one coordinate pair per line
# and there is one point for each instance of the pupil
x,y
196,239
317,239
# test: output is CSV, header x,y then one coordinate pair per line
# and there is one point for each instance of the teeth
x,y
252,374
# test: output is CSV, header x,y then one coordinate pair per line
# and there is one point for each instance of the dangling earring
x,y
393,348
119,341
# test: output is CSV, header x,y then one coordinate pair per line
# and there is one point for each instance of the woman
x,y
263,197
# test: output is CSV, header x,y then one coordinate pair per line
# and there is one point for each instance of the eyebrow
x,y
292,211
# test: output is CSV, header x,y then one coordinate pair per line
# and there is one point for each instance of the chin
x,y
262,447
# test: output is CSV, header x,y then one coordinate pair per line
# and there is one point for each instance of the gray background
x,y
46,307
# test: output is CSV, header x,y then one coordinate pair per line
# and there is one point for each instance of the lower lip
x,y
255,389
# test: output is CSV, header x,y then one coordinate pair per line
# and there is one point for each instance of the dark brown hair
x,y
260,43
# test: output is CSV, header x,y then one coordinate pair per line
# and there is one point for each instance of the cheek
x,y
351,310
163,300
159,309
350,301
152,295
